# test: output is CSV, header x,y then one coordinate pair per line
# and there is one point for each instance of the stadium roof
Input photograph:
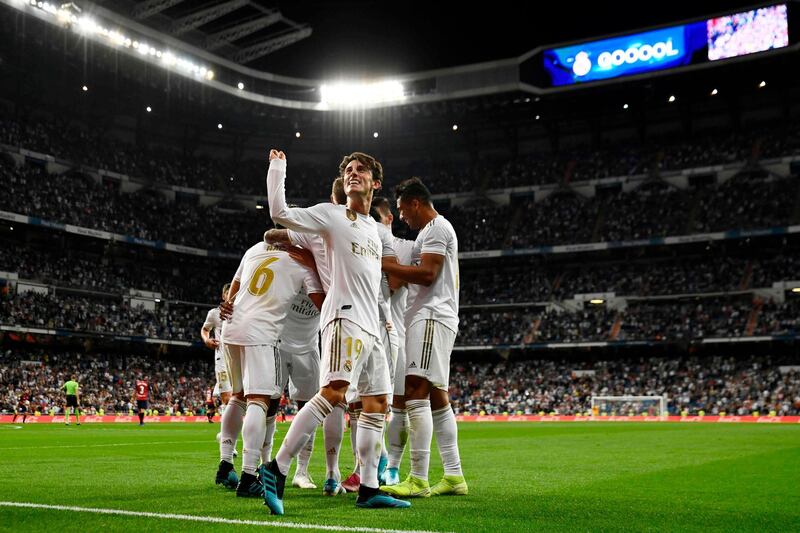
x,y
359,37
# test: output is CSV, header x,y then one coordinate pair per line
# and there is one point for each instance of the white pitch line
x,y
208,519
10,427
109,445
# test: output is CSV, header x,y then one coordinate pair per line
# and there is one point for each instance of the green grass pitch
x,y
522,477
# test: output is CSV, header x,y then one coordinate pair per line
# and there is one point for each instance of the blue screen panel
x,y
626,55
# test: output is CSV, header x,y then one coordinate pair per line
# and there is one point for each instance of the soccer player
x,y
72,390
211,407
141,394
211,333
431,321
333,426
269,279
397,429
351,344
23,404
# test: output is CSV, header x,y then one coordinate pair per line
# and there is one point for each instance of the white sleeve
x,y
404,250
210,322
308,220
298,239
238,275
435,241
311,282
386,241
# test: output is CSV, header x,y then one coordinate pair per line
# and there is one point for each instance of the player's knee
x,y
439,399
376,404
260,401
399,402
417,388
334,393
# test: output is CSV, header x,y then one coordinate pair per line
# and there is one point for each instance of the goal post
x,y
629,406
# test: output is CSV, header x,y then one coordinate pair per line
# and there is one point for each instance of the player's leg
x,y
66,413
303,373
261,379
269,438
397,429
444,421
373,387
336,374
391,347
333,431
420,422
232,420
354,411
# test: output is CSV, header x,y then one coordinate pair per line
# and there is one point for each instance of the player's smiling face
x,y
408,211
357,178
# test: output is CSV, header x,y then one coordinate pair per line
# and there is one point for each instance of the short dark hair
x,y
226,288
364,159
337,191
380,205
413,189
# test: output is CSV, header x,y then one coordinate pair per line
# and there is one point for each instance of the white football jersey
x,y
439,301
385,303
269,280
353,246
214,324
301,329
316,246
405,253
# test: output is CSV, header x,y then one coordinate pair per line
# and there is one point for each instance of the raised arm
x,y
307,220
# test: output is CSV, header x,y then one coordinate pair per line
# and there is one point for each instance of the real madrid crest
x,y
352,215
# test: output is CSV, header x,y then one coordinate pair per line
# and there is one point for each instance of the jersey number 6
x,y
262,277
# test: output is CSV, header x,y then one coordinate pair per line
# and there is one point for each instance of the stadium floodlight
x,y
85,88
671,98
455,127
219,127
714,92
762,84
375,135
346,95
629,406
297,134
538,117
148,108
68,16
240,86
624,106
596,301
795,289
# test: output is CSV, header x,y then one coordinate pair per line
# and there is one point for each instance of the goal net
x,y
629,406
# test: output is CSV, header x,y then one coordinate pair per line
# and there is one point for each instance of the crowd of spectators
x,y
642,320
187,279
712,385
564,217
648,320
106,381
97,147
111,316
76,199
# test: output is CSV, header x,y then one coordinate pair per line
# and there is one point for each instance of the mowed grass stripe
x,y
522,477
207,519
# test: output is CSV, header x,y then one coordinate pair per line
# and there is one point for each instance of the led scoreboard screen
x,y
698,42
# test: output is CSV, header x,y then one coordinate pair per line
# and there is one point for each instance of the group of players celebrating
x,y
387,310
